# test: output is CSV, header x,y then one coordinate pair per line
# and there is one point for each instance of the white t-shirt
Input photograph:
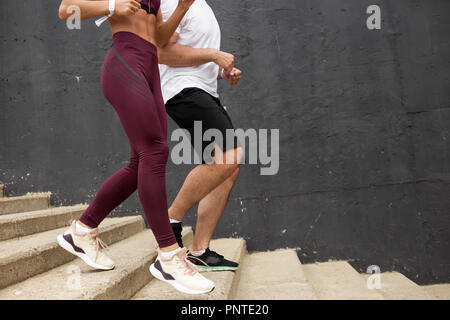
x,y
198,29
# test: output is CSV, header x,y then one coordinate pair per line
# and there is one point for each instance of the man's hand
x,y
127,7
224,60
185,4
233,77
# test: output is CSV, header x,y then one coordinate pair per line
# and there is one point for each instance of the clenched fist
x,y
224,60
233,77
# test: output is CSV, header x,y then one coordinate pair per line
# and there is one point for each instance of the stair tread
x,y
439,291
31,222
273,275
29,195
22,258
19,216
396,286
232,249
38,241
27,202
132,257
338,280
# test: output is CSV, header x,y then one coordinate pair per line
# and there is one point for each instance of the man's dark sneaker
x,y
177,228
212,261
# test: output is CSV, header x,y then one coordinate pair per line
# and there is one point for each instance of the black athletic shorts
x,y
194,104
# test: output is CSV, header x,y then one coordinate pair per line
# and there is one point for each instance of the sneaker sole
x,y
68,247
205,268
157,274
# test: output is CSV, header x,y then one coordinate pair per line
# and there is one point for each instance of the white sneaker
x,y
181,274
87,247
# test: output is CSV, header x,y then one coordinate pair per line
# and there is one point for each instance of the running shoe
x,y
212,261
181,274
177,228
87,246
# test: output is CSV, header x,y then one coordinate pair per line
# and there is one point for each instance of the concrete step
x,y
76,280
395,286
27,223
438,291
2,190
25,257
233,249
276,275
338,280
28,202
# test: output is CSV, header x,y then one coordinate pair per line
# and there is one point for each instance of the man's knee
x,y
229,166
231,157
226,170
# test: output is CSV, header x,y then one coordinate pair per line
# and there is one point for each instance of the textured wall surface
x,y
364,120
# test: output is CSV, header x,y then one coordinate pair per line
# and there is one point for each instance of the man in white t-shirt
x,y
190,65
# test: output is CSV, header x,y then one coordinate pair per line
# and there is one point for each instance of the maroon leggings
x,y
131,83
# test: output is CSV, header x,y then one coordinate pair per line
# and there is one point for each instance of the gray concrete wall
x,y
364,118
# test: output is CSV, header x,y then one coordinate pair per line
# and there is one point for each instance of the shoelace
x,y
190,268
98,243
184,263
198,259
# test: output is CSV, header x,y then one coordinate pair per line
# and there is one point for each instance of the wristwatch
x,y
112,7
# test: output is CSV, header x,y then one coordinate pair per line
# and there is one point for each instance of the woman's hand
x,y
127,7
185,4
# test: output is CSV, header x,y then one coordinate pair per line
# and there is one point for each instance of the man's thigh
x,y
193,104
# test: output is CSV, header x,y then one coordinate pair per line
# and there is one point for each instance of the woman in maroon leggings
x,y
131,83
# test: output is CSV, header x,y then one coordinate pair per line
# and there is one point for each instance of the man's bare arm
x,y
166,29
177,55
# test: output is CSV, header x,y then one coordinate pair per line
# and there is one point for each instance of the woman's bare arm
x,y
96,8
